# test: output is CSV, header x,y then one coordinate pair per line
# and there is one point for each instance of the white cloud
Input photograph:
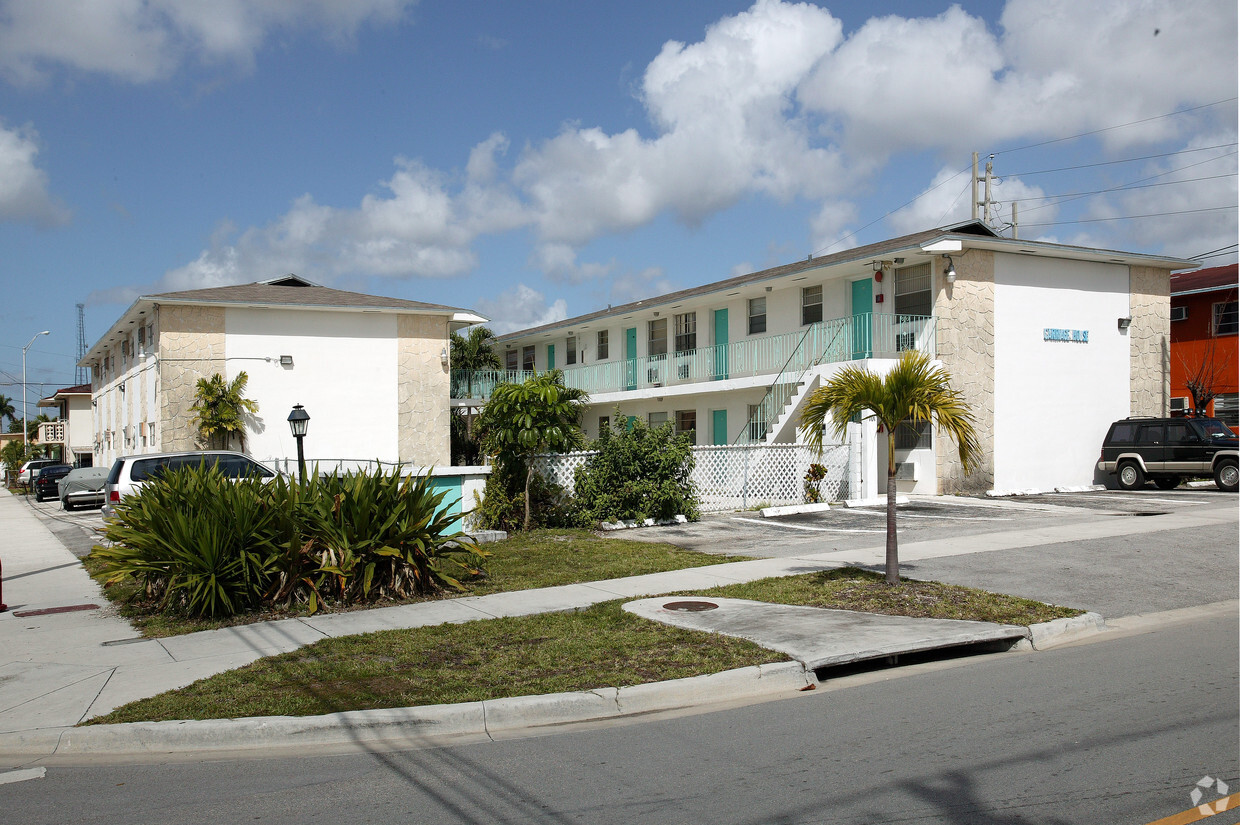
x,y
519,308
23,185
146,40
635,286
946,201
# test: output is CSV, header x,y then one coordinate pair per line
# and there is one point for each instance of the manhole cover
x,y
690,607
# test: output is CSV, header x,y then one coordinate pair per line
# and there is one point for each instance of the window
x,y
1179,313
1178,432
604,424
1225,318
1225,408
757,422
570,351
913,290
512,360
657,341
757,315
600,348
910,436
527,358
656,419
686,332
686,423
811,304
141,336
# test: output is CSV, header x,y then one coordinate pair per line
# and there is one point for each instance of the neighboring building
x,y
372,372
72,434
1048,343
1203,340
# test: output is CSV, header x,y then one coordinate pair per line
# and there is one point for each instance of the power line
x,y
1123,160
1133,217
1122,187
1214,253
1120,126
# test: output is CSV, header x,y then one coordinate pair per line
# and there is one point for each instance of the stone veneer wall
x,y
1149,340
191,346
965,313
422,390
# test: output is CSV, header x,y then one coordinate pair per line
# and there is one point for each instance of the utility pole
x,y
984,203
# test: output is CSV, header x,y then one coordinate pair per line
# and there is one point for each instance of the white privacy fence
x,y
738,476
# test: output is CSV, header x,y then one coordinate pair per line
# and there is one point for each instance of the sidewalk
x,y
59,667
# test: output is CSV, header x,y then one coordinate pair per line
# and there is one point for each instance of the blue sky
x,y
539,160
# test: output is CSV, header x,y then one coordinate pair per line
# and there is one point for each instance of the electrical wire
x,y
1133,217
1121,160
1119,126
1214,253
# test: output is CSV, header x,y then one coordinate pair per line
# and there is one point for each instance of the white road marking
x,y
21,776
1144,498
918,515
769,523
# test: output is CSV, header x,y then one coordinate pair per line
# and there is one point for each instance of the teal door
x,y
630,356
862,313
550,356
719,426
721,347
450,486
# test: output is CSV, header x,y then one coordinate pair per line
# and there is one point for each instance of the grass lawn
x,y
540,558
598,647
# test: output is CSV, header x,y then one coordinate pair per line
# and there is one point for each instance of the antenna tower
x,y
83,373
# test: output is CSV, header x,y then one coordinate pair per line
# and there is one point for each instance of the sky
x,y
539,160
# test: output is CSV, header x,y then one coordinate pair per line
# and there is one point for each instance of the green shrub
x,y
637,473
200,543
502,506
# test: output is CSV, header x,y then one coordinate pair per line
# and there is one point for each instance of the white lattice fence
x,y
736,477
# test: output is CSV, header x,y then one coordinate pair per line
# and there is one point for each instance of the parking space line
x,y
771,523
1143,498
903,515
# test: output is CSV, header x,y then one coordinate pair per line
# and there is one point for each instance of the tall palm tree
x,y
473,353
7,410
219,409
914,392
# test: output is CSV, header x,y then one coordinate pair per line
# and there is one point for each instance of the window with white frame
x,y
657,419
512,360
600,346
913,290
686,424
757,315
527,358
1225,318
686,332
656,341
570,350
811,304
910,436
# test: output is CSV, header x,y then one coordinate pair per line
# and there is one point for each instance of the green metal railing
x,y
786,356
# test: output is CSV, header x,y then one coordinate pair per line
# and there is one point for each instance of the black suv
x,y
1167,450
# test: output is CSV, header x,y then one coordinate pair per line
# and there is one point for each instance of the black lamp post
x,y
299,422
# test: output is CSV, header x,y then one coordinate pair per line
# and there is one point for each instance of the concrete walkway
x,y
62,662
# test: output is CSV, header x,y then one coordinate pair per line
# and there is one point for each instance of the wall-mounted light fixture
x,y
286,360
950,272
1125,323
443,356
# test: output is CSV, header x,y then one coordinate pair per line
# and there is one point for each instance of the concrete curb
x,y
794,509
1060,631
880,501
404,727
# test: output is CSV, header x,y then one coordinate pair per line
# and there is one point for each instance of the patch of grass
x,y
852,588
601,646
539,558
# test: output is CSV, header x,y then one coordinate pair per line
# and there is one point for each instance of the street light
x,y
299,422
25,427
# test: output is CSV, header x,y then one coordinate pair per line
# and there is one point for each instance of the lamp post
x,y
25,426
299,422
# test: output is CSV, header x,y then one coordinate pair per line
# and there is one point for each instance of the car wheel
x,y
1226,476
65,505
1129,476
38,496
1167,482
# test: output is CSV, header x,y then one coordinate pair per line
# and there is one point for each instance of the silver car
x,y
129,473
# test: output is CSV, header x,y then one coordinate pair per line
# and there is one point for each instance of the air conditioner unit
x,y
1179,313
682,371
652,376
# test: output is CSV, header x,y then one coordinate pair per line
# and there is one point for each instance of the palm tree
x,y
914,392
7,410
218,410
474,353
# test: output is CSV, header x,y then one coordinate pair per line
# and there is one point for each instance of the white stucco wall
x,y
1055,399
344,373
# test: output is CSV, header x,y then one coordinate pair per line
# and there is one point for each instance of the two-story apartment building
x,y
371,371
1204,341
1048,343
71,434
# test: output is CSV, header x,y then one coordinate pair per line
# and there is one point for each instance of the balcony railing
x,y
51,432
841,339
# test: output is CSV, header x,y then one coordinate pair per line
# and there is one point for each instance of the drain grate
x,y
690,606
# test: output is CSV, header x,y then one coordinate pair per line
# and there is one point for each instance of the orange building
x,y
1203,341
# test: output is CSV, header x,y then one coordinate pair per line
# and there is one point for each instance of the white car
x,y
26,476
129,473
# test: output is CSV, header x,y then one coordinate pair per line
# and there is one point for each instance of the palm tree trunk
x,y
529,475
893,556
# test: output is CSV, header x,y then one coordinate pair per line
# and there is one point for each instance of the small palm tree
x,y
474,353
7,410
914,392
218,410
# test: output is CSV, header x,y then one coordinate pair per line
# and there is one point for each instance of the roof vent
x,y
288,280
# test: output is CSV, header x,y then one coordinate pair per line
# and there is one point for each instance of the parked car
x,y
83,487
129,473
1168,450
26,475
45,480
